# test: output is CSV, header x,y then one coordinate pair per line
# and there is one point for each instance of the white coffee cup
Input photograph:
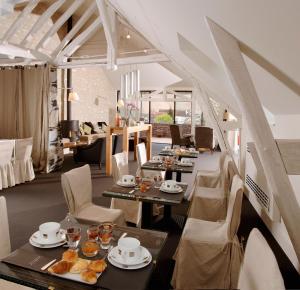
x,y
50,231
129,249
128,179
156,158
186,160
167,147
192,149
170,185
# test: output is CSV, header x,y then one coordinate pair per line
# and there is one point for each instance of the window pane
x,y
145,111
183,113
162,112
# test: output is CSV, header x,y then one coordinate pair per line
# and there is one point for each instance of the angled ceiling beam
x,y
110,25
83,19
14,51
79,40
59,23
120,61
41,20
18,22
229,51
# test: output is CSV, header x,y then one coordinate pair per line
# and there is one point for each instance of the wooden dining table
x,y
23,266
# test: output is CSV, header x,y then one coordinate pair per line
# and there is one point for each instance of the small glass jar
x,y
90,248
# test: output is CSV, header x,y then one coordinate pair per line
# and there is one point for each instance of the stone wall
x,y
97,96
163,130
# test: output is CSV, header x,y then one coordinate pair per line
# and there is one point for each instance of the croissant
x,y
89,276
97,266
79,266
60,267
70,256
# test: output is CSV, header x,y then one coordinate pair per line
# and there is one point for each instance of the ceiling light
x,y
73,96
145,50
128,36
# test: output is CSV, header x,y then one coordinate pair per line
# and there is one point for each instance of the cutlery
x,y
48,265
123,235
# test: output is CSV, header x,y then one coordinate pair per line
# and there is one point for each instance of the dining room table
x,y
23,266
180,153
152,195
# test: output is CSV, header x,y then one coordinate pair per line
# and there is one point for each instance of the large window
x,y
162,112
183,113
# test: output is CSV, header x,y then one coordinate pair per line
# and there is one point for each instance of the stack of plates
x,y
38,241
115,259
123,184
178,189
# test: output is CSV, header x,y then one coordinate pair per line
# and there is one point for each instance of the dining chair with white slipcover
x,y
132,209
77,188
23,168
210,204
7,176
209,254
5,247
259,270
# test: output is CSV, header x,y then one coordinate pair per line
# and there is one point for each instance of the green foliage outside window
x,y
163,119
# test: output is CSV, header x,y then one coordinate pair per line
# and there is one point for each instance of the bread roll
x,y
89,276
70,256
79,266
97,266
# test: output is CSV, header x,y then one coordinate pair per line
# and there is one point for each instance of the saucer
x,y
33,243
185,164
155,161
120,183
38,239
145,255
179,189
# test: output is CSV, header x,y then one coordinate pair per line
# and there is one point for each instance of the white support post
x,y
83,19
41,20
18,22
193,112
110,26
59,23
236,69
79,40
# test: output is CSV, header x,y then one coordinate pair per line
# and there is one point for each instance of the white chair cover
x,y
23,168
77,188
7,177
210,204
209,253
132,209
4,230
6,285
141,159
259,270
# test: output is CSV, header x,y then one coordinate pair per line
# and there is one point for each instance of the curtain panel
x,y
24,96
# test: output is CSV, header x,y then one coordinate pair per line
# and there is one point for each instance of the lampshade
x,y
73,96
120,103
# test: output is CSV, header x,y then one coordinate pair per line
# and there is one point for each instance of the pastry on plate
x,y
97,266
70,256
89,276
60,267
79,266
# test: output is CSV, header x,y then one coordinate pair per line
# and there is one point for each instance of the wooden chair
x,y
204,138
178,138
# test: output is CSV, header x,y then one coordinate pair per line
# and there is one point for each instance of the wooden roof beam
x,y
59,23
109,19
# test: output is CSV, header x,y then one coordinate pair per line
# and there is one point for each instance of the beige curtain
x,y
24,94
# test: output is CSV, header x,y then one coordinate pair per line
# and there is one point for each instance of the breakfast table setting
x,y
75,254
181,152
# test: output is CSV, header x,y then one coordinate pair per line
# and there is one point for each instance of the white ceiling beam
x,y
18,22
110,25
79,40
83,19
40,22
15,51
229,51
59,23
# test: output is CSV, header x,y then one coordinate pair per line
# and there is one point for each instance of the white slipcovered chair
x,y
141,159
23,168
132,209
259,270
209,254
5,247
210,204
7,177
77,188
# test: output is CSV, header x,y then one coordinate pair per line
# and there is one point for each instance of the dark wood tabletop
x,y
113,278
173,168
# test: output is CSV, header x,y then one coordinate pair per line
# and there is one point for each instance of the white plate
x,y
171,191
33,243
155,161
126,184
145,255
131,267
185,164
38,239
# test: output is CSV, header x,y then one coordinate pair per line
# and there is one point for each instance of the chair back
x,y
204,137
77,187
6,151
119,165
224,180
175,134
4,230
141,154
234,207
259,270
23,149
